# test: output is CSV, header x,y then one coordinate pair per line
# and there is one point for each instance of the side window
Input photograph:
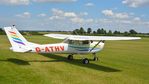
x,y
78,42
85,42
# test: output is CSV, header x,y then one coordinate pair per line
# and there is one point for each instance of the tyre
x,y
70,57
85,61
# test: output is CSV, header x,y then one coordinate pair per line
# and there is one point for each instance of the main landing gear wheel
x,y
85,61
70,57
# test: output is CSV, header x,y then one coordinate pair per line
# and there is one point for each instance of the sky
x,y
67,15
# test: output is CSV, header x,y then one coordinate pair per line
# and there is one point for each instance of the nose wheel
x,y
85,61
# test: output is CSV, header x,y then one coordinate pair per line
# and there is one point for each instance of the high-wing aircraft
x,y
72,44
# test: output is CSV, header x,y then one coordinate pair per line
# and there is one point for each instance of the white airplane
x,y
72,44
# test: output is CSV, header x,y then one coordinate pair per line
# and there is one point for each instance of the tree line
x,y
89,31
101,31
1,32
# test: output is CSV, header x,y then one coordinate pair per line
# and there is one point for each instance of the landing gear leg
x,y
70,57
95,57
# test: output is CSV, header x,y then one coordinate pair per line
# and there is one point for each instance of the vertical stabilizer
x,y
18,42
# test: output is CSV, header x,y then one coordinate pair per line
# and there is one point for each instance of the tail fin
x,y
18,42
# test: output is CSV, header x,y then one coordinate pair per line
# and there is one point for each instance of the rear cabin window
x,y
85,42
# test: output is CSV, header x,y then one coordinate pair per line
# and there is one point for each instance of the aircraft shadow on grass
x,y
16,61
58,58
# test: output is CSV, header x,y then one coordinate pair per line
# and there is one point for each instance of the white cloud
x,y
89,20
83,13
89,4
125,22
55,17
54,1
117,19
58,14
112,14
27,2
24,15
15,2
136,3
137,19
62,13
147,23
70,14
122,17
77,20
108,12
42,15
106,21
69,20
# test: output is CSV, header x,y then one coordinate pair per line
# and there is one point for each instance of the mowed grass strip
x,y
121,62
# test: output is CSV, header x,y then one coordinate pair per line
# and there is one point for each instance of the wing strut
x,y
95,45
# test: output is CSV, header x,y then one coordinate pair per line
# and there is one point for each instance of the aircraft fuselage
x,y
67,48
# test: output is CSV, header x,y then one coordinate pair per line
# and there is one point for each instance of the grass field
x,y
121,62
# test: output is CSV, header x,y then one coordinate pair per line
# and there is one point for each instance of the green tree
x,y
98,31
126,33
132,31
89,30
102,31
76,31
110,32
105,32
82,31
115,32
94,32
1,31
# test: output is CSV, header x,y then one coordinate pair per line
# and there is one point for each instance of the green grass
x,y
121,62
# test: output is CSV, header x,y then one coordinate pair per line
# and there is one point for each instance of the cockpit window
x,y
76,42
71,42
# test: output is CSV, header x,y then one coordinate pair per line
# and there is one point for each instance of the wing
x,y
80,37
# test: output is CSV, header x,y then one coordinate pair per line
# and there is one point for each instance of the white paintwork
x,y
20,44
94,38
